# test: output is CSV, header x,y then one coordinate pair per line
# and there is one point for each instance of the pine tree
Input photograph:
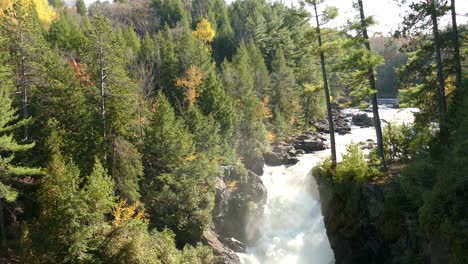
x,y
371,76
8,145
250,135
118,105
328,15
99,195
261,74
283,86
60,233
24,30
215,101
167,140
167,68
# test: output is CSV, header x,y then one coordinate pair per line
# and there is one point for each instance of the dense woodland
x,y
115,118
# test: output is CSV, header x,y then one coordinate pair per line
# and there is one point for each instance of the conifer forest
x,y
240,131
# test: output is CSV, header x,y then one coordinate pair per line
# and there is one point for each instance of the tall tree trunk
x,y
102,86
456,47
375,106
440,76
2,226
24,88
331,127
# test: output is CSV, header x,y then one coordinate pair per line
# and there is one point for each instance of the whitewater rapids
x,y
292,227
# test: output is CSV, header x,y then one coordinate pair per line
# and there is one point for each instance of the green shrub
x,y
405,142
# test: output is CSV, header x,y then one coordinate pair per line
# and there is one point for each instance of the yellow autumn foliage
x,y
232,185
204,31
191,157
271,136
190,82
123,213
45,12
267,113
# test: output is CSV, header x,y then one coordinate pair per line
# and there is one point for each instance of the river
x,y
292,227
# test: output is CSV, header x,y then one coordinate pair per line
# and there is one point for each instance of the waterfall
x,y
292,227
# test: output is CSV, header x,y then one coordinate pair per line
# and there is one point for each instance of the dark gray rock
x,y
254,188
254,161
309,145
227,255
233,244
220,197
273,158
362,120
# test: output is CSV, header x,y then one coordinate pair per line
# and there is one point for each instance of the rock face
x,y
365,235
227,255
362,120
254,161
354,238
240,195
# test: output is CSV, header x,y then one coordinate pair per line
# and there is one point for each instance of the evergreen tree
x,y
250,135
328,15
215,101
26,41
371,76
427,16
60,233
81,7
118,105
99,195
168,68
261,74
283,89
8,145
205,130
167,140
66,34
183,199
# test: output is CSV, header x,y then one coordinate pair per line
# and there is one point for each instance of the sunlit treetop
x,y
44,11
204,31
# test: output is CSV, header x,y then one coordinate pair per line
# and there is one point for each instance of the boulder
x,y
254,161
273,159
362,120
309,145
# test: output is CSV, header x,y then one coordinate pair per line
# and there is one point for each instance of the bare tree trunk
x,y
331,127
102,86
440,76
375,106
456,47
24,88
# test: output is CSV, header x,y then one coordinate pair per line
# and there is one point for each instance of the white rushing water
x,y
292,228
